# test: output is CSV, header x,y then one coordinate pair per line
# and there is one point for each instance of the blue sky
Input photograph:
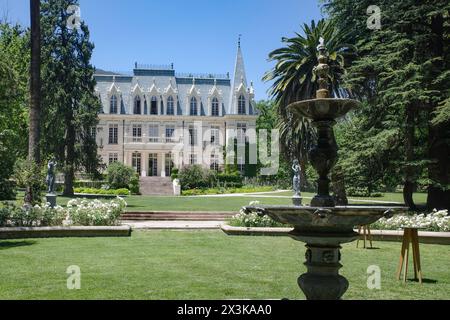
x,y
198,36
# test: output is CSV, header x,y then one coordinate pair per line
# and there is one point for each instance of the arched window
x,y
137,105
215,107
170,106
154,106
113,105
194,108
241,105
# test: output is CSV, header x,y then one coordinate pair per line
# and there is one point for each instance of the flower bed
x,y
79,212
252,220
436,221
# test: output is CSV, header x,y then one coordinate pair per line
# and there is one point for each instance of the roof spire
x,y
239,41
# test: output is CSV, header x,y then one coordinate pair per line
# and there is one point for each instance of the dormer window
x,y
113,105
170,106
215,107
241,105
137,105
193,109
154,106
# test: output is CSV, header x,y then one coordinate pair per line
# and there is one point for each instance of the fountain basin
x,y
324,108
324,226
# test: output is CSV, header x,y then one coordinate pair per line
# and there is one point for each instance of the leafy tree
x,y
402,75
14,62
71,105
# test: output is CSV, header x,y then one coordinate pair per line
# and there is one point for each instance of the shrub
x,y
112,192
362,192
174,174
134,184
231,180
435,221
95,213
253,220
195,177
119,175
27,216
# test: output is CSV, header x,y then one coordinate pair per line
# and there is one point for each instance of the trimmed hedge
x,y
113,192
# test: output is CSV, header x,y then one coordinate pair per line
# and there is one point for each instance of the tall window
x,y
215,131
214,165
136,162
241,165
192,136
137,133
137,105
170,132
113,105
113,136
153,133
215,107
154,106
192,159
113,157
194,109
170,106
169,164
241,133
241,105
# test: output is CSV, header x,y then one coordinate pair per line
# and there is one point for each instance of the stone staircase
x,y
176,216
156,186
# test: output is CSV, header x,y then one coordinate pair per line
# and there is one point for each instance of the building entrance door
x,y
153,165
136,162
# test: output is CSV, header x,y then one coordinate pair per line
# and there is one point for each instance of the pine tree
x,y
71,105
402,76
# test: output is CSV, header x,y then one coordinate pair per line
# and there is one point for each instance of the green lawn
x,y
159,203
199,265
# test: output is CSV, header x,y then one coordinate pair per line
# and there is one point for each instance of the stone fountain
x,y
323,226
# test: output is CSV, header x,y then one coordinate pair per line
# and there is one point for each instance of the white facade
x,y
155,120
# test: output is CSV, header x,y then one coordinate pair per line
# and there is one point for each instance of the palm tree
x,y
35,92
293,80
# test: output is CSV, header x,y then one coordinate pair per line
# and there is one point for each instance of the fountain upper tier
x,y
323,109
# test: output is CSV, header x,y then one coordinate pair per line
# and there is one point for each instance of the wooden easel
x,y
366,235
410,235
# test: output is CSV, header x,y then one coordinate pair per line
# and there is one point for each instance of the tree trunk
x,y
35,93
69,170
438,147
409,183
438,169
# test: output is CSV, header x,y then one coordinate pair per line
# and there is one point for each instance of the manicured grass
x,y
152,203
199,265
419,198
159,203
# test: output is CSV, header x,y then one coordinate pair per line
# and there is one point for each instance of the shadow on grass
x,y
423,280
4,245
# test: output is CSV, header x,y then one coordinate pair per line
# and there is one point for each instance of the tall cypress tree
x,y
71,105
402,76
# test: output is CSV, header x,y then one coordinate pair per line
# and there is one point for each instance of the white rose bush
x,y
78,212
436,221
253,220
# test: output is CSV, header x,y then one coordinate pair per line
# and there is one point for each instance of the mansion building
x,y
156,119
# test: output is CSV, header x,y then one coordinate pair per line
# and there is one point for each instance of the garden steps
x,y
176,216
155,186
